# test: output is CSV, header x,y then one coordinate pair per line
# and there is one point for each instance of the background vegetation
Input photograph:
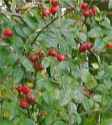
x,y
55,63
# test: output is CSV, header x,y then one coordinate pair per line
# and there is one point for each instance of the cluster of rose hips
x,y
36,59
53,9
26,96
87,10
7,33
54,53
86,46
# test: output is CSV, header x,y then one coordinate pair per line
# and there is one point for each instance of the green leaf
x,y
27,122
110,4
106,23
47,61
65,96
78,119
30,23
88,79
100,43
83,37
5,122
18,74
24,121
59,123
91,120
95,32
20,32
50,118
26,64
88,104
77,95
26,31
72,108
107,121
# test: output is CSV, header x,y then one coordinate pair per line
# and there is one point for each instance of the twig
x,y
52,21
7,5
45,27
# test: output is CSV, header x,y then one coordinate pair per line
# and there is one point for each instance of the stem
x,y
35,76
28,113
1,109
7,5
52,21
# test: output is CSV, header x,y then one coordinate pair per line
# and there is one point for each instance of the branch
x,y
52,21
7,5
45,27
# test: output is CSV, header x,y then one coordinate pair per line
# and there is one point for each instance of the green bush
x,y
56,63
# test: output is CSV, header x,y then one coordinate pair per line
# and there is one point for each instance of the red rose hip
x,y
52,52
89,45
7,33
86,13
31,99
24,89
109,46
84,6
54,9
91,12
60,57
38,66
24,103
46,12
86,46
33,57
94,11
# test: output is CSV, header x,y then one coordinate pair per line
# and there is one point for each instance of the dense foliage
x,y
56,62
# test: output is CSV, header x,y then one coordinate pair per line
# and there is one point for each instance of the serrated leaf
x,y
95,32
88,79
26,64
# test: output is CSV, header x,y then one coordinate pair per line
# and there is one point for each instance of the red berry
x,y
85,46
60,57
54,2
24,103
82,48
24,89
7,32
90,12
89,45
86,13
84,6
33,57
109,46
38,66
94,11
18,89
54,9
46,12
31,99
52,52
